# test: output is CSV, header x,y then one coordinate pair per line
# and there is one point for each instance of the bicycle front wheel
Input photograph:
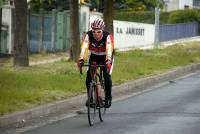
x,y
92,104
101,101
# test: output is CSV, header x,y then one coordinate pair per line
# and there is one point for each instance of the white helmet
x,y
97,24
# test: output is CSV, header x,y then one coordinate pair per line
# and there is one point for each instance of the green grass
x,y
22,88
139,63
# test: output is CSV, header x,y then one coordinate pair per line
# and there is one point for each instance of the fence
x,y
49,31
177,31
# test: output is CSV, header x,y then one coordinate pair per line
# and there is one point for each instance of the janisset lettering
x,y
132,31
135,31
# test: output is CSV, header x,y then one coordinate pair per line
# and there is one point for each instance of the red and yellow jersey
x,y
103,47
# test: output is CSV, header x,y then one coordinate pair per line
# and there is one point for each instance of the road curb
x,y
77,101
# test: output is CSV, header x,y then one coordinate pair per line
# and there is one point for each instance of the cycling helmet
x,y
97,24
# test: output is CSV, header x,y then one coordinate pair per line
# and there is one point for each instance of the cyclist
x,y
100,45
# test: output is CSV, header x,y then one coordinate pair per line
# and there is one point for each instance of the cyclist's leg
x,y
88,77
107,80
88,80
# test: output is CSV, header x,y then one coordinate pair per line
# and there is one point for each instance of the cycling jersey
x,y
101,47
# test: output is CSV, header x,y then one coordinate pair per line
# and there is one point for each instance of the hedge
x,y
173,17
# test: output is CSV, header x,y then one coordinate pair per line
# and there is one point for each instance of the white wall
x,y
178,4
133,35
183,3
172,5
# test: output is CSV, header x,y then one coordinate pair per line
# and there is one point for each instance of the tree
x,y
49,5
20,34
35,5
138,5
75,34
97,5
108,15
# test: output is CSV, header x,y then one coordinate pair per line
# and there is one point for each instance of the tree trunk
x,y
108,15
75,34
20,34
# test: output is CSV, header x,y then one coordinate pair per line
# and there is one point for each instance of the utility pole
x,y
157,25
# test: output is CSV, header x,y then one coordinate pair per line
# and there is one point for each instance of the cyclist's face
x,y
97,34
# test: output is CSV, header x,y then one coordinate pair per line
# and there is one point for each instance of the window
x,y
196,3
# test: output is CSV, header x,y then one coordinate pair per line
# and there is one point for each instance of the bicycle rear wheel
x,y
92,104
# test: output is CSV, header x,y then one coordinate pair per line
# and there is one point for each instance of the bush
x,y
182,16
142,16
179,16
164,17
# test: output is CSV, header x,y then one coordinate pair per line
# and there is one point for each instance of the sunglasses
x,y
98,32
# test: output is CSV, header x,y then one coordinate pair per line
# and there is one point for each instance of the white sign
x,y
133,35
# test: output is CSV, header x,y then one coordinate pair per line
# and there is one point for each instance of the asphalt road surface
x,y
173,108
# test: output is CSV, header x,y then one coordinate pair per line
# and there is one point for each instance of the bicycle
x,y
96,93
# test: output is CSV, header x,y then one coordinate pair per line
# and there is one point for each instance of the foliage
x,y
3,2
138,5
128,5
96,5
35,5
142,16
48,5
179,16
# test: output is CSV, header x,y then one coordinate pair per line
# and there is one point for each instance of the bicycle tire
x,y
92,104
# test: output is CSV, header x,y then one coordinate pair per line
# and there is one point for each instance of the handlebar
x,y
90,65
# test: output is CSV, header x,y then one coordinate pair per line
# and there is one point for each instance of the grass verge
x,y
22,88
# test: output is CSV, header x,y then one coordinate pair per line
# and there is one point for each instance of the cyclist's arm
x,y
109,48
84,46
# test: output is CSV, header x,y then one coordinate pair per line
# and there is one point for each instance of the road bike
x,y
96,93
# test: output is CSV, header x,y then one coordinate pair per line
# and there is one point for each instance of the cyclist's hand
x,y
80,63
108,65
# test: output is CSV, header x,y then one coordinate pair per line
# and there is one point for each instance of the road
x,y
173,108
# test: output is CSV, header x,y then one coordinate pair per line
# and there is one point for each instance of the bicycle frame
x,y
94,73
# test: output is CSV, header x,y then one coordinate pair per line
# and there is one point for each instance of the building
x,y
170,5
196,4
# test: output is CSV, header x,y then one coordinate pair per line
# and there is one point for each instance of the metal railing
x,y
177,31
